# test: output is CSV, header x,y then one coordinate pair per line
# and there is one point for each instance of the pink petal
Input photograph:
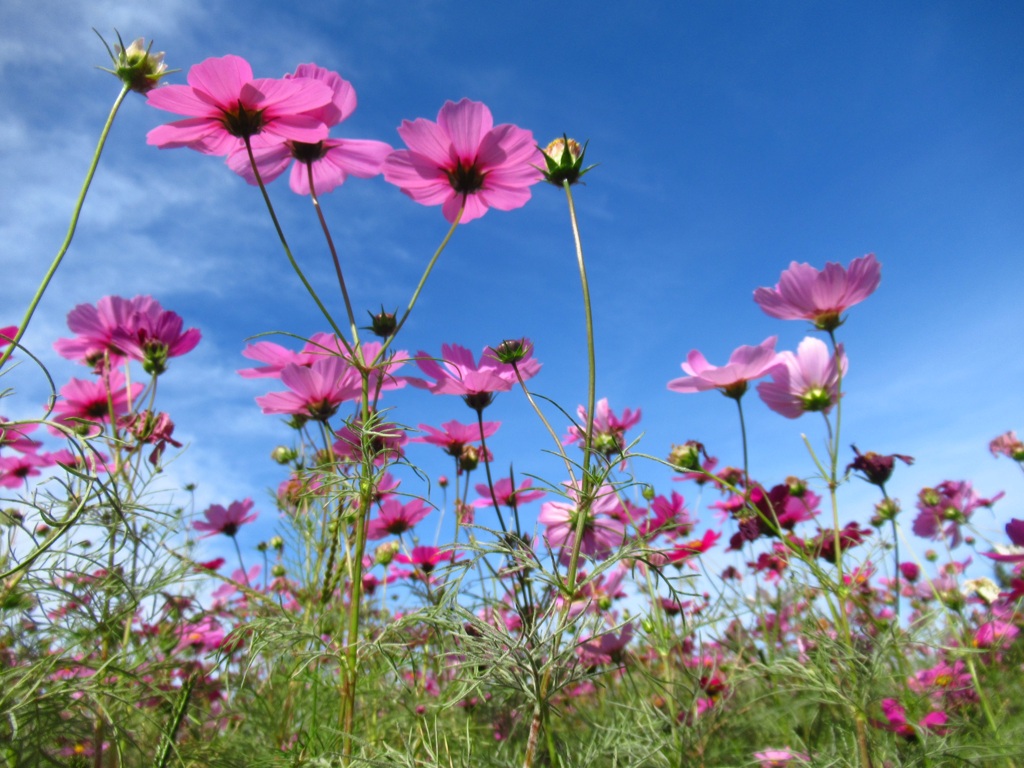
x,y
466,123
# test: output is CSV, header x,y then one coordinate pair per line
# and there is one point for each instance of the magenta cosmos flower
x,y
396,518
227,106
804,293
153,335
609,429
1015,530
454,436
226,521
465,161
331,161
476,382
731,379
603,529
315,391
96,326
805,381
94,400
944,509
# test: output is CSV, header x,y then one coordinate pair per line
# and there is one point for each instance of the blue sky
x,y
732,139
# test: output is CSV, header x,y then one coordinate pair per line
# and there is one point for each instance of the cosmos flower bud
x,y
283,454
686,457
512,350
564,160
278,571
276,543
386,552
469,459
382,324
137,66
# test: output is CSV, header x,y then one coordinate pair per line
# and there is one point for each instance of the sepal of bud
x,y
382,324
563,159
136,65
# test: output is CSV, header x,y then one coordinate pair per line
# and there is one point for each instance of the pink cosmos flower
x,y
1007,444
896,721
95,400
462,375
96,326
506,494
15,470
454,436
395,518
609,429
465,161
7,334
227,106
731,379
945,508
330,160
226,521
14,435
315,391
607,648
152,335
804,293
602,531
425,559
779,758
805,381
668,516
1015,530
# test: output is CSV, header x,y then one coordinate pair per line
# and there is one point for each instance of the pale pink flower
x,y
506,495
779,758
1009,445
745,363
804,293
609,429
227,105
462,375
465,161
225,521
805,381
947,507
330,160
603,529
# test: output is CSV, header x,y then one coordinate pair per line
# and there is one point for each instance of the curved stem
x,y
284,242
79,203
334,257
419,287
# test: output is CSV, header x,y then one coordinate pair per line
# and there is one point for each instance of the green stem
x,y
79,203
284,242
334,257
419,287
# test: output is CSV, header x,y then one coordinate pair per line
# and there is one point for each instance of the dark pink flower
x,y
14,435
226,521
668,516
454,436
316,391
95,400
462,375
153,335
804,293
465,161
609,429
396,518
330,160
896,721
603,529
7,334
745,363
227,105
425,559
804,382
877,468
945,508
1015,530
96,326
153,428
